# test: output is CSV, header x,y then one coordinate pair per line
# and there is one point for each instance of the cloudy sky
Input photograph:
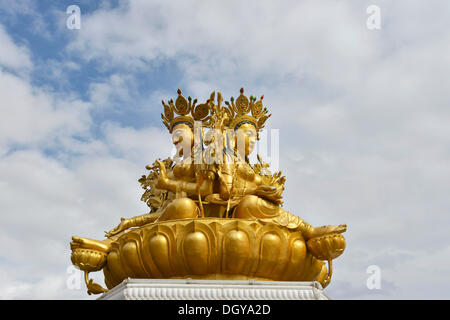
x,y
363,118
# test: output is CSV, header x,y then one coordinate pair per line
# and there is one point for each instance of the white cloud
x,y
140,146
13,56
115,90
32,116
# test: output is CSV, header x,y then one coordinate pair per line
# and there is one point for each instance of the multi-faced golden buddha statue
x,y
213,215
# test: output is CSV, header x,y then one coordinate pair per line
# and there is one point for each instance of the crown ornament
x,y
186,110
247,110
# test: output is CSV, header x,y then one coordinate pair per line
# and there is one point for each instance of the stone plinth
x,y
190,289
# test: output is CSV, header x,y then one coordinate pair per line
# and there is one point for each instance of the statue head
x,y
245,137
183,139
182,126
247,118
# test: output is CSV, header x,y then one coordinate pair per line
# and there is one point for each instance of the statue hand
x,y
336,229
326,230
162,176
270,193
341,228
266,188
86,243
124,224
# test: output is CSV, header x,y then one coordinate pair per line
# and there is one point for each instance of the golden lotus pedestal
x,y
242,252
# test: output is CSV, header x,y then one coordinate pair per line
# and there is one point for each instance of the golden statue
x,y
212,215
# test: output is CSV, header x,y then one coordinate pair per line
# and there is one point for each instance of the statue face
x,y
183,139
246,138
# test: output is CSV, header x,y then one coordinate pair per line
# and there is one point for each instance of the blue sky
x,y
363,119
48,44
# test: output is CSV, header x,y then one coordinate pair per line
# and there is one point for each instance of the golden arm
x,y
133,222
191,188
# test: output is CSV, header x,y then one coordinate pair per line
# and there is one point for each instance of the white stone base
x,y
190,289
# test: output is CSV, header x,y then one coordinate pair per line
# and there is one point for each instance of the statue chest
x,y
184,171
245,172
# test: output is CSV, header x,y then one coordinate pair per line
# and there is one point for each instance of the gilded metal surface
x,y
212,214
212,248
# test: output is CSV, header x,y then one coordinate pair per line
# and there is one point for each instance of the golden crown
x,y
245,110
186,109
